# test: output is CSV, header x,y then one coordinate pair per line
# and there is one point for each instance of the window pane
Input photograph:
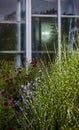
x,y
70,31
10,38
7,57
23,8
44,6
44,34
12,57
9,9
46,57
70,7
7,36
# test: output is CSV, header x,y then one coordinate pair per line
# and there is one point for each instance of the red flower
x,y
9,81
19,70
12,89
5,103
34,63
10,97
3,93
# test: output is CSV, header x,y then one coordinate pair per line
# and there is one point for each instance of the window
x,y
34,28
44,6
44,28
70,22
12,30
44,34
70,7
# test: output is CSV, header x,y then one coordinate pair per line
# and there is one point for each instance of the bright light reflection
x,y
45,33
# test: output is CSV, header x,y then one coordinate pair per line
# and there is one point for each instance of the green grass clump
x,y
54,102
46,97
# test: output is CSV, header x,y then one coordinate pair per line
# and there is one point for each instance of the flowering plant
x,y
51,94
10,81
45,97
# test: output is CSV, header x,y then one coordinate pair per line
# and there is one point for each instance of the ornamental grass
x,y
42,97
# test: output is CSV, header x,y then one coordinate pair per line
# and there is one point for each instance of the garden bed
x,y
45,97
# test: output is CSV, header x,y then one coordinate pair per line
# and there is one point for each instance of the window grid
x,y
28,50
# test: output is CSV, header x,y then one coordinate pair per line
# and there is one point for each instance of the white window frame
x,y
59,25
28,32
18,22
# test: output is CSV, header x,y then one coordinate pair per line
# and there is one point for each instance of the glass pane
x,y
11,58
7,57
44,56
12,36
44,6
70,31
44,34
70,7
9,9
23,8
7,36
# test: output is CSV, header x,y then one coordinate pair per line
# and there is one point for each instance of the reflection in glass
x,y
44,7
44,34
8,9
23,9
70,30
70,7
7,36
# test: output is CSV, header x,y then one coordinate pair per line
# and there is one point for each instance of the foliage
x,y
51,99
10,82
42,97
